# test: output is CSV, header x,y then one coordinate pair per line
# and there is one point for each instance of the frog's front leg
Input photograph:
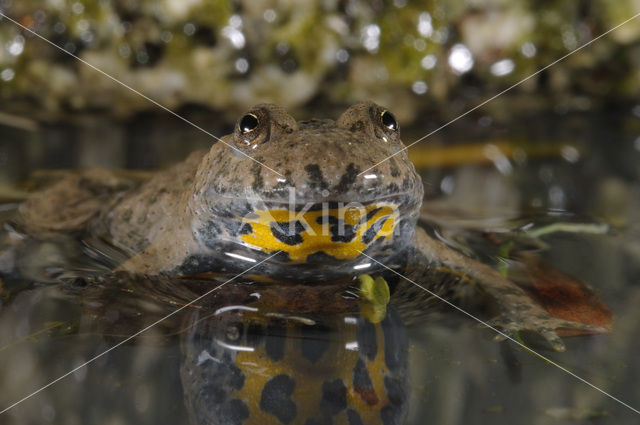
x,y
517,311
165,253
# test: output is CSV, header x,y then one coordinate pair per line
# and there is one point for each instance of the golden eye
x,y
389,121
248,123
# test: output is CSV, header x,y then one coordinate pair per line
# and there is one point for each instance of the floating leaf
x,y
563,296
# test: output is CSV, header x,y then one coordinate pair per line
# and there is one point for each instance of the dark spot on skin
x,y
288,232
209,233
212,382
395,343
258,182
287,180
362,384
393,188
245,229
321,257
340,231
322,220
276,398
213,394
315,178
234,412
334,397
325,420
406,183
389,415
232,373
315,341
237,228
393,165
348,233
212,229
223,212
396,392
282,256
274,342
354,417
356,126
366,337
348,178
371,213
255,335
372,231
197,264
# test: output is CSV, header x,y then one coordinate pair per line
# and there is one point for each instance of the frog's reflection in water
x,y
256,351
244,364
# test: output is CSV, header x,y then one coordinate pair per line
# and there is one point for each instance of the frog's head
x,y
320,205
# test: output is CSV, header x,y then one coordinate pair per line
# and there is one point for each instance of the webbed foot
x,y
539,322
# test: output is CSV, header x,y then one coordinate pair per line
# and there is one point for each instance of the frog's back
x,y
72,200
156,207
123,208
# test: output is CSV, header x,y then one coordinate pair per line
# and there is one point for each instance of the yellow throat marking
x,y
317,234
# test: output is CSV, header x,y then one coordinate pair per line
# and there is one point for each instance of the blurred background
x,y
427,61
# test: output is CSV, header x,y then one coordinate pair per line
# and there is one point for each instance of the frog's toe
x,y
546,327
553,339
551,326
511,329
576,326
506,329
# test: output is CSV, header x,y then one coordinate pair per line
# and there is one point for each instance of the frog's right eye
x,y
248,123
252,129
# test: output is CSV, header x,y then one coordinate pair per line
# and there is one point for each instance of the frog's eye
x,y
372,121
248,123
252,129
262,123
389,121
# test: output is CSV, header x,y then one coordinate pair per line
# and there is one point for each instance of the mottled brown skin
x,y
182,215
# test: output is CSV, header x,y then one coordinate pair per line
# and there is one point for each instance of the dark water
x,y
447,369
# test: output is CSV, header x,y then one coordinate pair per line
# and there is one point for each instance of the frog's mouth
x,y
339,231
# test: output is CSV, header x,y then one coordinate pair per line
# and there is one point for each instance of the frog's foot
x,y
540,322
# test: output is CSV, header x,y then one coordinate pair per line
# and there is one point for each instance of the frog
x,y
308,201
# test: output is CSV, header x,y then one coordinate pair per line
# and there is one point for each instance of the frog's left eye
x,y
389,121
248,123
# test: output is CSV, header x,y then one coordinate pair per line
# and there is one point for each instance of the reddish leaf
x,y
563,296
